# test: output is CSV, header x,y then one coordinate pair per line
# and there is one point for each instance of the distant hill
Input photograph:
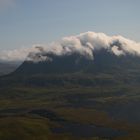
x,y
6,68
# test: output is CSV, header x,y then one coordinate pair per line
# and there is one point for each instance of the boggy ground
x,y
70,113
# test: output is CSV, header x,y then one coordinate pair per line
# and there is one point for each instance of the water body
x,y
129,111
66,126
86,130
77,129
124,111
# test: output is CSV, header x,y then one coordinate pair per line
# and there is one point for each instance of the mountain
x,y
70,92
86,59
57,64
77,70
103,61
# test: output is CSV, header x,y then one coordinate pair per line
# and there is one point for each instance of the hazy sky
x,y
27,22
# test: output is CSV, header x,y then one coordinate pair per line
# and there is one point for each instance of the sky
x,y
27,22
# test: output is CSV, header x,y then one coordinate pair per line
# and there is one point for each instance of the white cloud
x,y
117,51
85,44
16,54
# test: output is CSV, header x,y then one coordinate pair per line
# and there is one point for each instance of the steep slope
x,y
58,64
103,61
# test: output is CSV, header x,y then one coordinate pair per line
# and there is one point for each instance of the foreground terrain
x,y
70,113
72,98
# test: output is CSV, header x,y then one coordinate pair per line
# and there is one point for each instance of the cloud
x,y
16,54
85,44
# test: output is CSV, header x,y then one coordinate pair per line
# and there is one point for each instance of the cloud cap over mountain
x,y
84,44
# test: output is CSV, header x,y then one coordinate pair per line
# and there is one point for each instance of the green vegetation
x,y
87,105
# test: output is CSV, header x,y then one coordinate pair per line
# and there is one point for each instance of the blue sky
x,y
28,22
